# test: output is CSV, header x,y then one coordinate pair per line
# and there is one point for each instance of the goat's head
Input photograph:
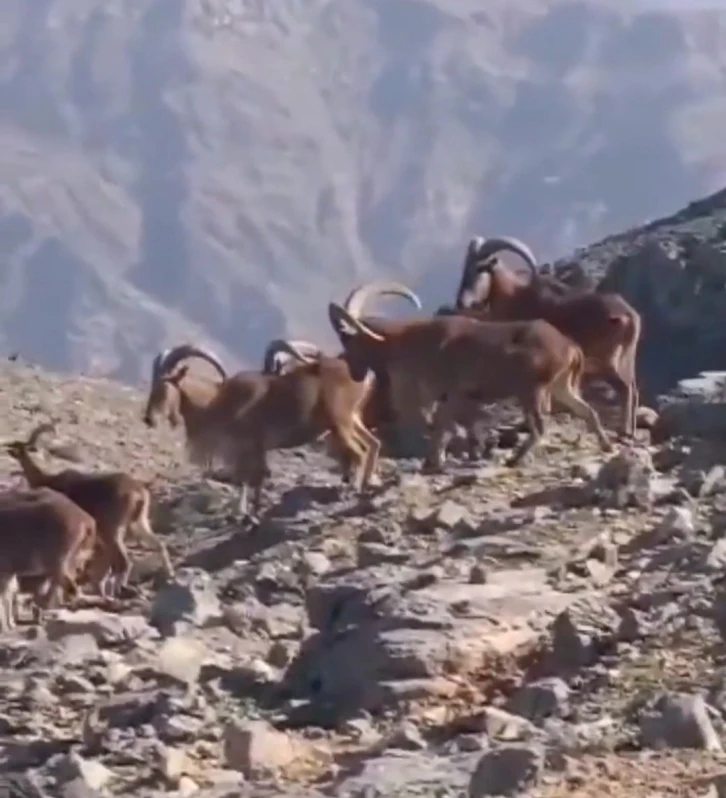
x,y
359,341
482,268
350,328
17,449
282,355
355,303
164,399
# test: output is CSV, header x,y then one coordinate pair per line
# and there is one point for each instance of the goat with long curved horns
x,y
245,416
604,325
437,364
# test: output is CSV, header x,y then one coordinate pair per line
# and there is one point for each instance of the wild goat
x,y
380,412
250,415
118,502
604,325
443,361
42,534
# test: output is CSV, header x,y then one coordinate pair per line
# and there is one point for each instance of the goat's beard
x,y
200,453
210,452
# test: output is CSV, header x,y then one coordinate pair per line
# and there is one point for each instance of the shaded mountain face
x,y
217,170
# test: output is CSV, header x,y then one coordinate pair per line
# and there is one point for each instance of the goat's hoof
x,y
432,467
250,521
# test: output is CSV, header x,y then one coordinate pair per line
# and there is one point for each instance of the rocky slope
x,y
550,631
220,168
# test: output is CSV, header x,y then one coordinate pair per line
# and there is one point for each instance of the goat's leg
x,y
623,382
12,600
100,569
626,372
142,527
351,446
441,426
7,602
121,565
567,394
534,419
373,450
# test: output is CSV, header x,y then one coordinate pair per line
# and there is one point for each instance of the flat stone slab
x,y
387,633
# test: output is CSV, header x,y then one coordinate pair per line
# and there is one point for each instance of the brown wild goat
x,y
118,502
440,362
43,533
249,415
604,325
380,411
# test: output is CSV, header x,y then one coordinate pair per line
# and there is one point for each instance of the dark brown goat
x,y
604,325
440,362
118,503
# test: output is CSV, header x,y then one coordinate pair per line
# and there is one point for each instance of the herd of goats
x,y
506,338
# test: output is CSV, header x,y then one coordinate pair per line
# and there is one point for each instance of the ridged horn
x,y
346,324
356,300
156,364
280,348
172,357
40,430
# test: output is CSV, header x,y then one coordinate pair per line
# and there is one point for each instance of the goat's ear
x,y
487,264
178,375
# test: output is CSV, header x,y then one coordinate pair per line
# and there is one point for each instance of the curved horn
x,y
346,324
179,353
488,247
41,429
280,346
358,297
156,364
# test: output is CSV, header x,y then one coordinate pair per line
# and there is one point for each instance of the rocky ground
x,y
549,631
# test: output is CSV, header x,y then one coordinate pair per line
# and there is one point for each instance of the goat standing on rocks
x,y
441,362
604,325
118,502
250,414
43,535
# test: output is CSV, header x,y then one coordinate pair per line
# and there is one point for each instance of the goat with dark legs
x,y
604,325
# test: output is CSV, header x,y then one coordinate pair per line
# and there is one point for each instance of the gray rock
x,y
17,785
679,721
72,766
404,773
105,627
572,648
542,699
408,737
180,659
257,749
507,770
506,726
625,479
190,600
380,627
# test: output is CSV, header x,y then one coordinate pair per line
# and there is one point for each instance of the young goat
x,y
441,362
118,502
248,417
42,535
605,326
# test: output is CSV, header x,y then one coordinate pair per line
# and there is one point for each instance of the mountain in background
x,y
217,170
